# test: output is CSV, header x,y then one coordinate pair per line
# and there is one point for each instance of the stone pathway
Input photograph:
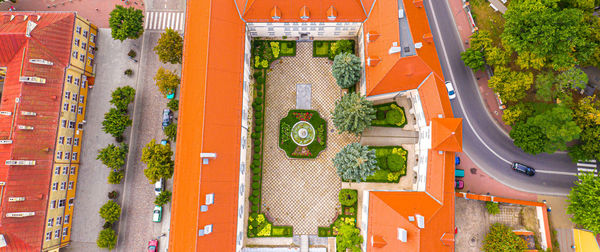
x,y
302,193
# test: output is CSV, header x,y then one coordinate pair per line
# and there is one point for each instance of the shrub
x,y
255,185
348,197
501,238
380,115
163,198
492,207
256,193
128,72
107,225
113,195
254,208
107,239
171,132
254,201
396,162
132,53
110,211
115,177
348,237
393,116
382,162
173,104
255,178
340,46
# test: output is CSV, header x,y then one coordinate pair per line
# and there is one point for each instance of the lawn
x,y
321,48
487,19
266,51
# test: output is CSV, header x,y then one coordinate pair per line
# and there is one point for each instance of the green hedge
x,y
389,115
266,51
321,48
392,164
348,216
292,149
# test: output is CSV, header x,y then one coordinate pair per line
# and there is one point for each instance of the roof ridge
x,y
388,205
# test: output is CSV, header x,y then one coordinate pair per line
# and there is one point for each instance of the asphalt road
x,y
483,141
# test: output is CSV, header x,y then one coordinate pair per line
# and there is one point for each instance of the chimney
x,y
373,61
378,241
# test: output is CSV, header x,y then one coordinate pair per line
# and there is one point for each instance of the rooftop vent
x,y
395,48
418,45
2,241
41,62
25,127
16,199
400,13
420,221
30,26
411,218
210,199
19,162
6,113
206,156
20,214
32,79
203,208
5,141
402,234
27,113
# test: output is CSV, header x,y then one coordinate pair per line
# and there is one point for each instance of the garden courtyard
x,y
302,193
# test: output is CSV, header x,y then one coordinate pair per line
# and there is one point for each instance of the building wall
x,y
69,138
329,29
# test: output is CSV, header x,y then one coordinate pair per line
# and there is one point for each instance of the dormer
x,y
373,61
331,13
394,48
275,13
304,13
372,36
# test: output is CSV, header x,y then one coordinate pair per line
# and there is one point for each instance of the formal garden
x,y
302,134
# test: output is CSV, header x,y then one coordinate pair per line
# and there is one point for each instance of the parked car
x,y
167,117
450,88
157,214
457,160
459,173
153,246
523,169
159,186
164,142
459,184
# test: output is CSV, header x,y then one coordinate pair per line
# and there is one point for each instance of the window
x,y
72,170
74,157
82,98
83,45
67,219
63,123
71,201
76,41
80,126
91,61
48,236
67,155
75,54
61,140
73,107
71,124
50,222
84,83
74,97
78,29
76,141
59,155
57,233
58,220
61,203
69,140
93,38
69,78
80,110
76,81
55,185
57,170
53,204
63,185
85,33
70,185
82,57
65,170
66,106
65,231
67,95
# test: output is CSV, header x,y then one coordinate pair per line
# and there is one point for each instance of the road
x,y
483,141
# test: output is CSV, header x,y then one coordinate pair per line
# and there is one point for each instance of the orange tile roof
x,y
446,134
434,99
210,121
260,10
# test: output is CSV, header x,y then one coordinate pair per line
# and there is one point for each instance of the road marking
x,y
557,172
437,27
164,19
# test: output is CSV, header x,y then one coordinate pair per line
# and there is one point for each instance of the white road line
x,y
169,19
557,172
182,21
164,20
177,21
437,27
148,18
173,20
156,19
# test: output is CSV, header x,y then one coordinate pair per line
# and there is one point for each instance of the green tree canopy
x,y
473,59
110,211
355,162
512,86
587,112
545,85
348,237
170,47
107,238
171,132
481,41
530,138
584,202
157,158
115,122
340,46
558,125
590,146
517,113
572,78
122,97
166,81
497,56
163,198
126,23
115,177
353,113
346,69
113,156
173,104
501,238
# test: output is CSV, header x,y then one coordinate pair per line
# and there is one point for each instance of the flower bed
x,y
389,115
349,202
322,48
266,51
259,226
392,164
288,128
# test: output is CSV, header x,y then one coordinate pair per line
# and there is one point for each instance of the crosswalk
x,y
164,19
587,166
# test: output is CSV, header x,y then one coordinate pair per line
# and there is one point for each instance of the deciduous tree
x,y
558,125
530,138
348,238
110,211
512,86
170,47
122,97
157,158
107,238
113,156
355,162
346,69
166,81
587,112
473,59
171,132
501,238
545,85
584,202
163,198
497,56
126,23
572,78
517,113
115,122
481,41
115,177
353,113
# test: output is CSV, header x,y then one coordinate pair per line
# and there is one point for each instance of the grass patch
x,y
389,115
286,130
487,19
281,231
288,48
321,48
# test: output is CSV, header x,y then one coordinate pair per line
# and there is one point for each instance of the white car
x,y
159,186
450,88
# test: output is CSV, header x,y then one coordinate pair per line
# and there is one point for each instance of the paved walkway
x,y
302,193
498,6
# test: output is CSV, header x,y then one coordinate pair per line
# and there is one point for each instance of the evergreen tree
x,y
353,113
346,69
355,162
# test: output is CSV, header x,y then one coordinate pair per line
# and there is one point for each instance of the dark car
x,y
166,118
459,184
523,169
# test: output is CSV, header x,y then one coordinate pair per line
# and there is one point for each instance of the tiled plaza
x,y
302,193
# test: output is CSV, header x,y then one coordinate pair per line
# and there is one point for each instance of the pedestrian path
x,y
160,20
588,166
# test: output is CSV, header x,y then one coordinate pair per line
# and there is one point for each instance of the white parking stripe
x,y
175,16
164,21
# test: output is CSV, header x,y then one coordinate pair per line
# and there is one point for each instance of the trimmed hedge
x,y
392,163
347,216
293,150
389,115
322,48
264,52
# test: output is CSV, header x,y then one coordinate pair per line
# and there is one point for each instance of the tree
x,y
157,158
348,237
110,211
584,202
558,126
473,59
528,60
171,132
481,41
589,146
530,138
501,238
163,198
587,112
115,122
113,156
353,113
346,69
122,97
115,177
169,47
340,46
166,81
497,56
545,84
355,162
517,113
173,104
512,86
107,238
572,78
126,23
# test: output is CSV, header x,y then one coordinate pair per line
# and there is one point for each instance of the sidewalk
x,y
97,11
487,94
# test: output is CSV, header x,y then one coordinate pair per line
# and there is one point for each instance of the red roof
x,y
50,40
292,10
446,134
